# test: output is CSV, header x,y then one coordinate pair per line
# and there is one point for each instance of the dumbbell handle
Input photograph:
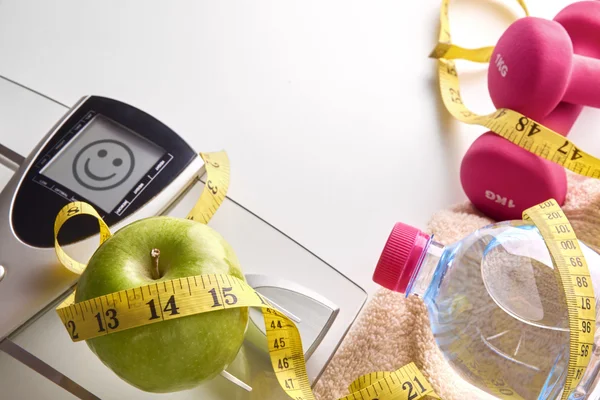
x,y
563,117
584,85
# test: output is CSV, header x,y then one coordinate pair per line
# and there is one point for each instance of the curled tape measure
x,y
406,383
511,125
138,306
573,274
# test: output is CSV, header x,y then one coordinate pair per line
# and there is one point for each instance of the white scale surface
x,y
262,250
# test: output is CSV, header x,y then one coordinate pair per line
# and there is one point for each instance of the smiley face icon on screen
x,y
103,164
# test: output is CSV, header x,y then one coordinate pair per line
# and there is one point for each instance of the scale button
x,y
61,193
160,165
139,187
60,144
2,272
43,161
122,207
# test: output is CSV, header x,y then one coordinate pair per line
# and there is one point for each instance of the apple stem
x,y
155,253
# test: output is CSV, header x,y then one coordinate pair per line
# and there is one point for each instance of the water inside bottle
x,y
499,300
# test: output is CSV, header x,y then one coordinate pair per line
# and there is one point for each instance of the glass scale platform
x,y
48,365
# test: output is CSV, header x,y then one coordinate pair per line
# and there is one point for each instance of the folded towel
x,y
394,330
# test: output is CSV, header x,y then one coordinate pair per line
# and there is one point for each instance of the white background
x,y
329,110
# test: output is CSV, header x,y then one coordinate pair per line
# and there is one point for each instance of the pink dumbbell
x,y
582,22
533,68
498,177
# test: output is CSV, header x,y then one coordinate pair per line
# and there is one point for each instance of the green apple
x,y
171,355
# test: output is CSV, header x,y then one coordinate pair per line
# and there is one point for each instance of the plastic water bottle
x,y
496,308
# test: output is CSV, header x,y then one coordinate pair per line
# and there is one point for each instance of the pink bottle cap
x,y
400,257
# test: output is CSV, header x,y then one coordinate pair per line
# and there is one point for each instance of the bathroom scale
x,y
129,165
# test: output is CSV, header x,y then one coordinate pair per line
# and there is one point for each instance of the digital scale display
x,y
107,153
104,162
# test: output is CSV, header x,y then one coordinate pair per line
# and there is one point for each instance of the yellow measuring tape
x,y
130,308
573,274
406,383
511,125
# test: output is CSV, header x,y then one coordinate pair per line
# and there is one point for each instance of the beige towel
x,y
393,331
